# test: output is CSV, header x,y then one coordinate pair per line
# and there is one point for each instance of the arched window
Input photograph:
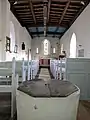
x,y
9,55
61,48
37,50
73,46
54,50
46,45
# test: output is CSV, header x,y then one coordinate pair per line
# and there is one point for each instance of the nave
x,y
44,74
44,59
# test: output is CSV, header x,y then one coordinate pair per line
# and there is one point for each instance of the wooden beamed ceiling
x,y
60,15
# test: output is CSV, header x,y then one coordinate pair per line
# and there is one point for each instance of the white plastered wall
x,y
37,42
81,27
21,34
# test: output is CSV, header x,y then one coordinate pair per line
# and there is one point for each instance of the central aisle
x,y
44,74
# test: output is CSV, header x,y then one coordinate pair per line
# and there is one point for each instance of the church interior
x,y
44,59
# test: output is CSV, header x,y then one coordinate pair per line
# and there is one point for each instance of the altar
x,y
44,62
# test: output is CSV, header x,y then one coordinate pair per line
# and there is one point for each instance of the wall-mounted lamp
x,y
80,45
15,49
30,50
37,51
23,46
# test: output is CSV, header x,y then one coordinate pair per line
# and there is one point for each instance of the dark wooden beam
x,y
49,4
25,16
82,8
60,0
58,33
45,19
24,13
32,11
49,24
15,14
21,4
66,7
21,7
22,10
20,21
63,14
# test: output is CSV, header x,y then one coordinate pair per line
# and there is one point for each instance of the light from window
x,y
61,48
54,50
9,55
37,50
45,47
73,46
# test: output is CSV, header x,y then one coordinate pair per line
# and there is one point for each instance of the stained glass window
x,y
45,47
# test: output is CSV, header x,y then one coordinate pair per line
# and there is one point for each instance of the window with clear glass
x,y
54,50
73,46
37,50
11,54
61,48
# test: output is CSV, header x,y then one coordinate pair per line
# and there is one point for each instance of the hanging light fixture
x,y
23,46
82,2
15,2
45,15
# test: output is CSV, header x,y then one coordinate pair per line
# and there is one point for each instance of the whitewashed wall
x,y
37,43
21,34
81,27
4,26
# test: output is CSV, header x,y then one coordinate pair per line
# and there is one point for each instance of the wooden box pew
x,y
57,68
52,67
78,72
9,88
31,67
21,69
10,73
34,67
5,70
18,68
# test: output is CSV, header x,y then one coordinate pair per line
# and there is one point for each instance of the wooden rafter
x,y
63,14
66,7
49,4
18,18
49,24
34,33
60,13
32,11
82,8
45,16
14,12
